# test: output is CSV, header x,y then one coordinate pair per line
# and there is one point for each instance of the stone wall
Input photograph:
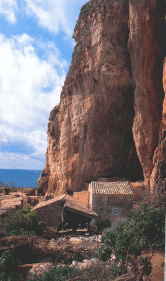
x,y
82,196
105,204
51,214
111,200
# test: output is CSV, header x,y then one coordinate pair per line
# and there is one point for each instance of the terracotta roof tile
x,y
117,188
69,202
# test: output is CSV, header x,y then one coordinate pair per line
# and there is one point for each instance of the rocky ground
x,y
64,249
39,255
17,199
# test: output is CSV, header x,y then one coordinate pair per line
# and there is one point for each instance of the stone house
x,y
64,208
111,200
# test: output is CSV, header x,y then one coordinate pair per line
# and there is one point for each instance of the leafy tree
x,y
127,240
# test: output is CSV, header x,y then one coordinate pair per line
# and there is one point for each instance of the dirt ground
x,y
157,262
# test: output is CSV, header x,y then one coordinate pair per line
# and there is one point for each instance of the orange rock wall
x,y
159,160
108,123
146,24
90,135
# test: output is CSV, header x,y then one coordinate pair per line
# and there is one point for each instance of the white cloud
x,y
31,77
55,15
8,9
20,161
29,89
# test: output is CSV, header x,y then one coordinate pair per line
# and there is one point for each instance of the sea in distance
x,y
19,178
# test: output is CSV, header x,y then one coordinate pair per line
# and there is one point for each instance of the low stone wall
x,y
51,214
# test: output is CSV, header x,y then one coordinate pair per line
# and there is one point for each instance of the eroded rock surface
x,y
146,23
91,135
158,175
109,117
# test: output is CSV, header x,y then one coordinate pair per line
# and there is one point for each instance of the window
x,y
115,211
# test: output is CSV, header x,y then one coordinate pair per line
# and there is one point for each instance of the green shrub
x,y
147,265
117,270
116,239
21,222
58,274
105,252
101,225
8,266
145,229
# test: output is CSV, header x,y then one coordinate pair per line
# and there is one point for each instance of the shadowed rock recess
x,y
109,121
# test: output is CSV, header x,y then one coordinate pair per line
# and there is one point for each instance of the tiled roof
x,y
69,202
118,188
48,202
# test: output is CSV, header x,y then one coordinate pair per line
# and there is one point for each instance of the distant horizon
x,y
19,177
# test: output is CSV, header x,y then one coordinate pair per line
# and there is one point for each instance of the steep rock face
x,y
109,117
50,174
96,108
146,23
158,175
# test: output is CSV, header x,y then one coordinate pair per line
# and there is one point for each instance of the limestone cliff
x,y
158,176
109,117
146,45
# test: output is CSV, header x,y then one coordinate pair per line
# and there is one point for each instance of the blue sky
x,y
36,46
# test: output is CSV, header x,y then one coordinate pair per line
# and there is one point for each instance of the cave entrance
x,y
134,171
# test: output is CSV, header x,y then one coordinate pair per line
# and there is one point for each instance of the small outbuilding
x,y
111,200
64,208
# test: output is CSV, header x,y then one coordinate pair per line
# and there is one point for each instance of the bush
x,y
126,239
8,266
21,222
102,225
114,237
117,270
58,274
146,227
